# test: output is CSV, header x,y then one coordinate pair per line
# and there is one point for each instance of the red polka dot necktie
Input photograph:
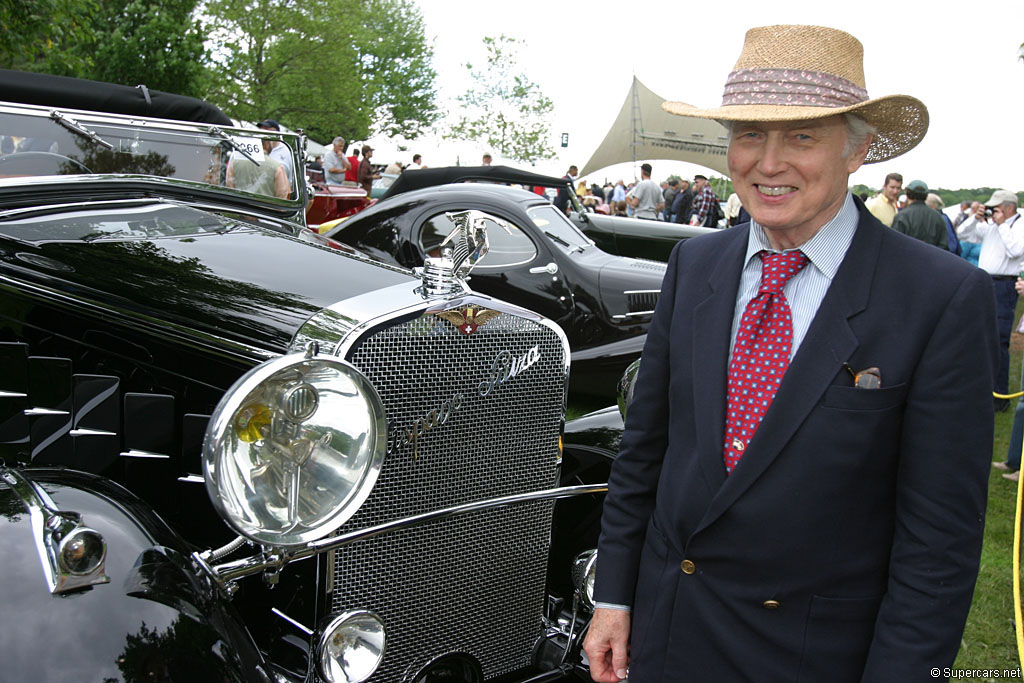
x,y
760,355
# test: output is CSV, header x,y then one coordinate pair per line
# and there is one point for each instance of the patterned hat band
x,y
791,87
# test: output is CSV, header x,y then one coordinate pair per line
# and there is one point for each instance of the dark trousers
x,y
1006,303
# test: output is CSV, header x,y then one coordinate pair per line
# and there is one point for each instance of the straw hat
x,y
794,73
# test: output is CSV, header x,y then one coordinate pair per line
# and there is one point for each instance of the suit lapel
x,y
829,342
712,326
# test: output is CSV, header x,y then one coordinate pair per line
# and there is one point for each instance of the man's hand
x,y
607,645
979,214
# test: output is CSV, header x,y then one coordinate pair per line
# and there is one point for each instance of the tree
x,y
330,67
505,108
34,33
154,42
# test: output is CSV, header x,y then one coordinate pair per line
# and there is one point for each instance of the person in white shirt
x,y
279,150
997,226
417,162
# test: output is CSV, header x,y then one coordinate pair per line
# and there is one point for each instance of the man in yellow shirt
x,y
883,205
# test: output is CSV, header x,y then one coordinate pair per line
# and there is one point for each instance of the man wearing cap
x,y
335,163
704,202
801,485
919,220
1001,235
366,174
884,205
279,150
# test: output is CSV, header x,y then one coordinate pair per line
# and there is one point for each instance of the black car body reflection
x,y
188,376
538,259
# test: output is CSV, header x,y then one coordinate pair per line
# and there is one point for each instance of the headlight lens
x,y
351,647
294,449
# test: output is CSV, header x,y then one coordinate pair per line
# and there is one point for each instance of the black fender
x,y
156,619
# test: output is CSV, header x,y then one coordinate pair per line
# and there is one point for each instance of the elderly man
x,y
335,163
800,490
1001,235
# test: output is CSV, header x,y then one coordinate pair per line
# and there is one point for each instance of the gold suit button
x,y
770,604
687,566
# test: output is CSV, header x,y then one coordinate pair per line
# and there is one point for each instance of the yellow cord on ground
x,y
1018,626
1017,395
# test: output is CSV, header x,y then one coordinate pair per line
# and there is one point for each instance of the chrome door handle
x,y
550,269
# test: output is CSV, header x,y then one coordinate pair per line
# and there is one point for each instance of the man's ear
x,y
857,156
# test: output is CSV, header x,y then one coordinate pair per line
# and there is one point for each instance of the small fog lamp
x,y
584,569
351,646
81,552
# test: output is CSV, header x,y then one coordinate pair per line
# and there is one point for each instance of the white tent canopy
x,y
643,131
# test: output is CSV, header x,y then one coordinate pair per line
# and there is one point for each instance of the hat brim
x,y
901,120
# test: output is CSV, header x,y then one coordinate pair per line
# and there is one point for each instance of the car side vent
x,y
642,301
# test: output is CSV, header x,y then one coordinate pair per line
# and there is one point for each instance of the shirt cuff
x,y
612,605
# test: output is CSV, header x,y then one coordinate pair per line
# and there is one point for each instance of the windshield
x,y
553,222
42,142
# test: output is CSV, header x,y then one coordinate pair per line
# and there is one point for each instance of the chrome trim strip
x,y
192,479
274,559
50,526
91,432
291,621
641,291
44,411
634,314
135,453
12,394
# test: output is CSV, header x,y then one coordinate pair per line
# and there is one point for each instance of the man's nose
x,y
773,156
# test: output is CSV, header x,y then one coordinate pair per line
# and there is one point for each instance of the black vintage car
x,y
229,454
619,235
537,259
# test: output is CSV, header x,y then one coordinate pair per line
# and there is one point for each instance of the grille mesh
x,y
475,583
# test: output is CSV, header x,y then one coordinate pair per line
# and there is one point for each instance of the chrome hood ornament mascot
x,y
461,250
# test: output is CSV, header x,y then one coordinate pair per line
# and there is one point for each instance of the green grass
x,y
989,641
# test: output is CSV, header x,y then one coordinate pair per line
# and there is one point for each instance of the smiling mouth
x,y
775,190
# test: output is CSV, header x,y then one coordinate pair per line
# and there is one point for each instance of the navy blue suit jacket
x,y
845,545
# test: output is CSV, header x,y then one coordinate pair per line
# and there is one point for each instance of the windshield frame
x,y
195,148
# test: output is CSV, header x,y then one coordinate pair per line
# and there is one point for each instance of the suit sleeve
x,y
633,482
942,482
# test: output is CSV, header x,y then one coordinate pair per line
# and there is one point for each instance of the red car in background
x,y
331,202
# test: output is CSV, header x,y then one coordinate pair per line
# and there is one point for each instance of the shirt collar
x,y
826,249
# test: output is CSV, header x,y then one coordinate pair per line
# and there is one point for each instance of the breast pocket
x,y
855,398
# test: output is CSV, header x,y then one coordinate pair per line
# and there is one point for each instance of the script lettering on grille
x,y
506,366
400,437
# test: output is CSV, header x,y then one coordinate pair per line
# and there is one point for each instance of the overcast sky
x,y
962,63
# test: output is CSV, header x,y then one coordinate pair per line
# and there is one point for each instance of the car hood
x,y
252,286
630,288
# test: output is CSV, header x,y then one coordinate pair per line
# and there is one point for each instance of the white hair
x,y
857,132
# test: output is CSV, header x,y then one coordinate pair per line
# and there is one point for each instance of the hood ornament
x,y
461,250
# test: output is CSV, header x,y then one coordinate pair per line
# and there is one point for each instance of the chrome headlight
x,y
584,569
294,448
350,647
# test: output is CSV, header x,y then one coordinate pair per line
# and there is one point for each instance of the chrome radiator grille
x,y
472,584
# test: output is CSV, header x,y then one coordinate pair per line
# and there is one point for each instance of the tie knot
x,y
776,269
